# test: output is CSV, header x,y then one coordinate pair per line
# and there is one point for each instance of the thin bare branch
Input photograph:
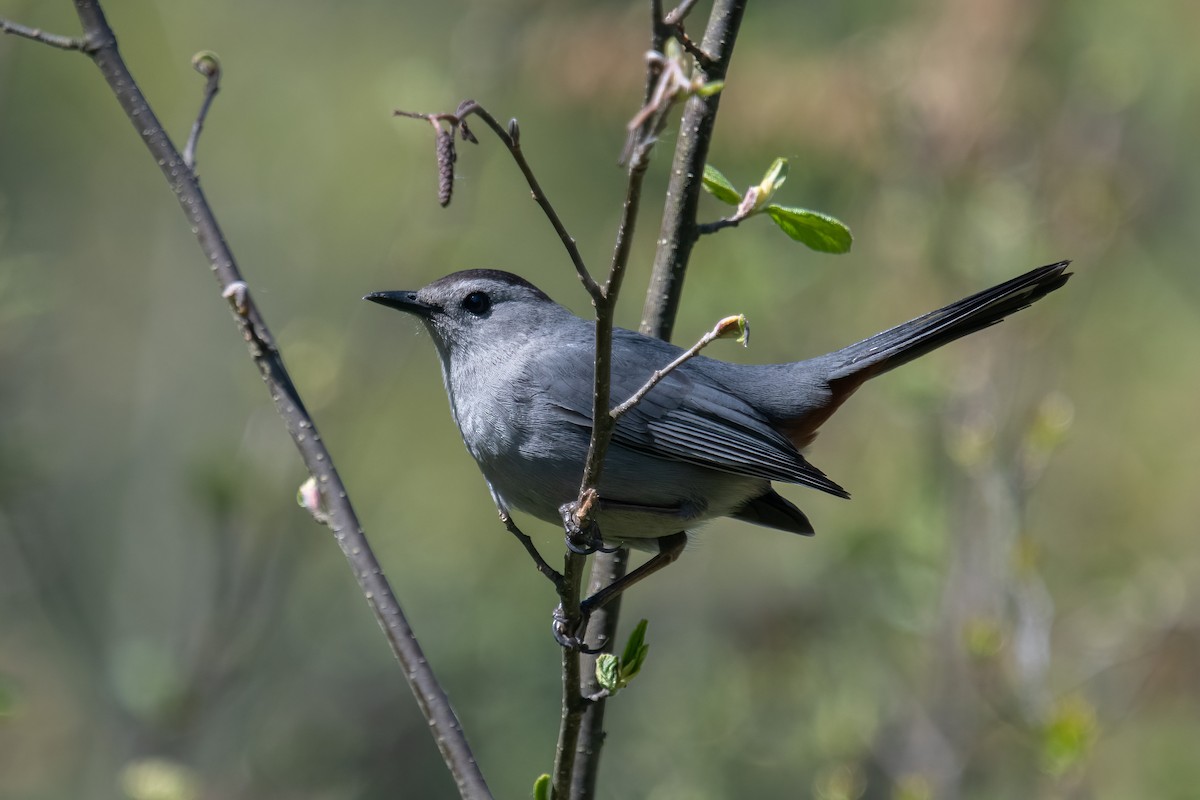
x,y
722,330
667,81
578,516
511,139
676,237
672,82
691,48
671,77
602,420
678,233
573,702
608,567
670,25
39,35
705,228
100,44
206,63
679,13
550,572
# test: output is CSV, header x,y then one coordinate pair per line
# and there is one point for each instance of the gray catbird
x,y
705,442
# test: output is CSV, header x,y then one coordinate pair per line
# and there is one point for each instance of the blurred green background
x,y
1008,607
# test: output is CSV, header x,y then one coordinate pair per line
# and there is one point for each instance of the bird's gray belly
x,y
538,468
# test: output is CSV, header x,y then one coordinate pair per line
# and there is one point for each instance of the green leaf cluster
x,y
614,673
818,231
1068,735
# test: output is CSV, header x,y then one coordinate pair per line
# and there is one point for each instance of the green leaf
x,y
635,642
709,89
608,671
634,655
819,231
541,787
615,673
773,179
631,668
719,186
1068,735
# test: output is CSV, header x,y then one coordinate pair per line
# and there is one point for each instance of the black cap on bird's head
x,y
476,305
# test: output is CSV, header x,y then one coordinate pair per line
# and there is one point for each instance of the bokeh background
x,y
1007,609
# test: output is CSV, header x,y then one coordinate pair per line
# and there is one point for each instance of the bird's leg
x,y
669,549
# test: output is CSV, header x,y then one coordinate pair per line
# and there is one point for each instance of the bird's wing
x,y
686,417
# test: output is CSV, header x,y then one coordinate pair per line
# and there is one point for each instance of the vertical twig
x,y
574,700
678,232
511,137
676,238
206,64
577,516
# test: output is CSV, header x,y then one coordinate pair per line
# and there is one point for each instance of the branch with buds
x,y
737,327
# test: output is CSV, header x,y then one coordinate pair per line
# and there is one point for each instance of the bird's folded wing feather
x,y
685,417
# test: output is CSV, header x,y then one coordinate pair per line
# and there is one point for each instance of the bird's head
x,y
476,309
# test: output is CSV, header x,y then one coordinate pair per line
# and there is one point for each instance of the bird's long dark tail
x,y
913,339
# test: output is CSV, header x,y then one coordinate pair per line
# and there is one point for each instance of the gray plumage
x,y
706,442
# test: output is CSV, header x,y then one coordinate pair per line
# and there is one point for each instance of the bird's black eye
x,y
477,303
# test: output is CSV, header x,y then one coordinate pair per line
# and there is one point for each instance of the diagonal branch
x,y
554,576
679,13
512,140
722,330
39,35
100,45
511,137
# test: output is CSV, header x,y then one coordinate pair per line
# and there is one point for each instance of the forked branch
x,y
511,137
676,237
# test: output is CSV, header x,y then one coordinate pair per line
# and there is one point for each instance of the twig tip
x,y
207,64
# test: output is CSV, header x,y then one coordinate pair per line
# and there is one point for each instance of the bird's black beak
x,y
404,301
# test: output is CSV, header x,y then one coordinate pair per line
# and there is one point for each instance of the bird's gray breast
x,y
528,453
525,415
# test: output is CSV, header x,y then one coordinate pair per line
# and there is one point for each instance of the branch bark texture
x,y
677,235
100,44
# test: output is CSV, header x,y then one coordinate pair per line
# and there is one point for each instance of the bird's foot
x,y
583,534
570,636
